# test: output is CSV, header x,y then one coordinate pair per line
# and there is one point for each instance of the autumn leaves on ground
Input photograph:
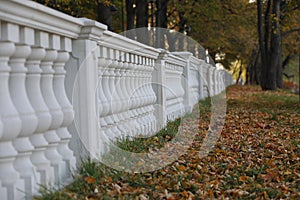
x,y
256,157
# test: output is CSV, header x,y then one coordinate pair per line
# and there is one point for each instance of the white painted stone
x,y
11,122
33,88
123,88
50,135
29,120
66,107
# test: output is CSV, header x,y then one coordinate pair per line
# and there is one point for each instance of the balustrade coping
x,y
174,59
122,43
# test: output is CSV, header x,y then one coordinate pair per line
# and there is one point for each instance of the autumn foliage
x,y
256,157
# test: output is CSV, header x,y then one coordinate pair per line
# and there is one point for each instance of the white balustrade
x,y
11,121
125,74
174,88
118,88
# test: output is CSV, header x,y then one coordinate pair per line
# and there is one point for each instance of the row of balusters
x,y
125,94
174,91
34,111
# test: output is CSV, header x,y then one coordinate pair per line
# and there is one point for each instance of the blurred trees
x,y
100,10
278,16
256,40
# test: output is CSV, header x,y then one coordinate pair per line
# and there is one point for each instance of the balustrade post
x,y
159,88
201,78
210,80
84,54
188,104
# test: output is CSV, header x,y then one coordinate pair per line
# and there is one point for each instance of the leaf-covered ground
x,y
256,157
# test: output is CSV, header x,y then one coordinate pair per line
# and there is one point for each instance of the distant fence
x,y
53,65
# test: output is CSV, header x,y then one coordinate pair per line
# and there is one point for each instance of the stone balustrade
x,y
66,83
174,87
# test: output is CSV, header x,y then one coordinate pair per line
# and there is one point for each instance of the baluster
x,y
113,98
124,85
3,191
65,105
147,97
150,62
152,98
102,100
11,122
29,120
143,94
102,67
142,83
132,94
107,92
33,88
139,95
111,118
50,135
117,93
123,94
127,87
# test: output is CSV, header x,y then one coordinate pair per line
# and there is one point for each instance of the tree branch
x,y
290,31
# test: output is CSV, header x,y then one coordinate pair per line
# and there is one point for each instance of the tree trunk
x,y
129,14
142,21
275,67
251,69
181,25
277,41
130,19
256,73
263,53
161,21
105,15
267,24
240,74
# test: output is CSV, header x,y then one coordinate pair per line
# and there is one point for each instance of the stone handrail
x,y
65,82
